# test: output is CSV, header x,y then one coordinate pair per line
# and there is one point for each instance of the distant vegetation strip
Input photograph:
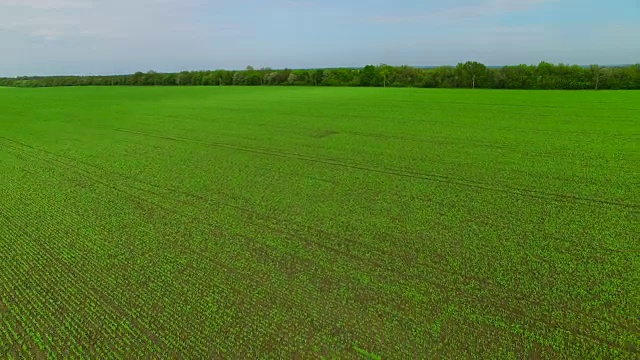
x,y
472,74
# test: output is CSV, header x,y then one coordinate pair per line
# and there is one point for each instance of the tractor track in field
x,y
171,191
295,235
440,140
514,310
259,217
229,270
537,194
225,203
93,178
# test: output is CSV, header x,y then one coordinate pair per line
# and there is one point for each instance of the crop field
x,y
281,222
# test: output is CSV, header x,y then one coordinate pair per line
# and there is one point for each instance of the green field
x,y
252,222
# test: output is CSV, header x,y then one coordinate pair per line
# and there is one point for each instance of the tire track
x,y
258,217
93,178
103,297
276,220
237,289
368,263
537,194
391,268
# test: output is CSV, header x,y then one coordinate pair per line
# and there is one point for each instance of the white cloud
x,y
75,36
68,19
47,4
47,34
463,12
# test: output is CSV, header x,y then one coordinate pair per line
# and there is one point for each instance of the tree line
x,y
471,74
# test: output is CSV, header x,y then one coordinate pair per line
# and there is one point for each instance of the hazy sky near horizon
x,y
45,37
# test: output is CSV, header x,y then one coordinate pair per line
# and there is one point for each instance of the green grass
x,y
279,222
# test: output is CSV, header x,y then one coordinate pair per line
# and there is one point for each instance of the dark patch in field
x,y
631,347
327,284
28,342
634,328
28,171
157,309
320,134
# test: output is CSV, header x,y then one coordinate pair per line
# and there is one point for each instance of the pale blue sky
x,y
122,36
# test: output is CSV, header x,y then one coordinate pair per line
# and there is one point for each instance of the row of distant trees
x,y
471,74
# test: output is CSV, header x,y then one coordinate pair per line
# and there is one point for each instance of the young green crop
x,y
318,222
